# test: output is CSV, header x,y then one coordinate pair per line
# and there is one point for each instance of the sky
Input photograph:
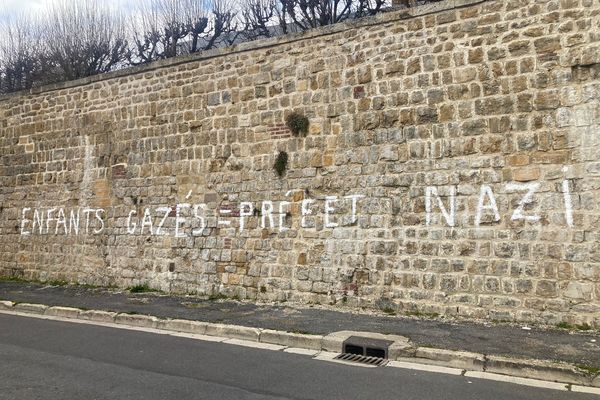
x,y
8,7
18,7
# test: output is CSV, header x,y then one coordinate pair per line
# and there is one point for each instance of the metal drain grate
x,y
374,361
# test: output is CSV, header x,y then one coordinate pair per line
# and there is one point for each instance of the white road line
x,y
196,336
256,345
425,367
297,350
516,380
585,389
326,356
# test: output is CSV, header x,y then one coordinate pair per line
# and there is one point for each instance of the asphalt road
x,y
41,359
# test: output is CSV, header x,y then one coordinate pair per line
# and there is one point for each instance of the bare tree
x,y
84,38
414,3
308,14
159,30
370,7
167,28
21,54
265,18
79,38
223,27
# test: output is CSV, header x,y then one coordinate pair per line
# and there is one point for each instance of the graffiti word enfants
x,y
59,221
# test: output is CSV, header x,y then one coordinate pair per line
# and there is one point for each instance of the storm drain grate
x,y
374,361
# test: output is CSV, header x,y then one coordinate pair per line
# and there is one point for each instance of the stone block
x,y
288,339
98,316
180,325
30,308
453,359
233,332
6,305
143,321
535,369
64,312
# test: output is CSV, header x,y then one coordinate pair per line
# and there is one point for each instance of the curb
x,y
401,350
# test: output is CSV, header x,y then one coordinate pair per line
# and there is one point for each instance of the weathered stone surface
x,y
233,331
454,359
98,316
544,370
64,312
6,305
180,325
451,166
144,321
291,339
30,308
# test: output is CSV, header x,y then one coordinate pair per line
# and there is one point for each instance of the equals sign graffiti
x,y
225,213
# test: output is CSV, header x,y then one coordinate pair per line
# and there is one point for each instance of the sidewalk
x,y
578,348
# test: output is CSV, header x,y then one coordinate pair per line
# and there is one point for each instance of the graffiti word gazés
x,y
194,219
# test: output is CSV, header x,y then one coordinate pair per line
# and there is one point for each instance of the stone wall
x,y
452,166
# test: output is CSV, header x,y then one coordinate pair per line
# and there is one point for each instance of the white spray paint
x,y
99,212
306,211
164,211
486,191
38,220
531,188
246,210
61,220
354,198
568,201
55,221
568,204
329,200
179,220
49,218
450,217
24,222
131,225
87,180
87,213
267,212
190,219
282,214
147,221
74,222
199,217
225,212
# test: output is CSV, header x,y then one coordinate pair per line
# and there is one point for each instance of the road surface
x,y
44,359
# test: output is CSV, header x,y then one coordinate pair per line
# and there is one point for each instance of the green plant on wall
x,y
281,163
298,124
